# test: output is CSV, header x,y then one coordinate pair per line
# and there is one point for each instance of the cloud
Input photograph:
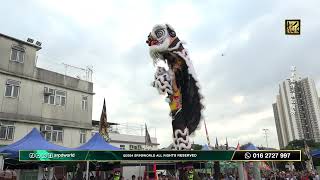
x,y
80,12
237,99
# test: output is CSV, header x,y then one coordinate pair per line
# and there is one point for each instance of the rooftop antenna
x,y
266,133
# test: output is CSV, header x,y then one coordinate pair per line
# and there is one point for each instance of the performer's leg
x,y
180,132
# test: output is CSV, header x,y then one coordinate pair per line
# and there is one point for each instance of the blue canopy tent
x,y
32,141
97,142
315,153
249,146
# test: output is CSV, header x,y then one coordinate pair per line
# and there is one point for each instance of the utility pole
x,y
266,131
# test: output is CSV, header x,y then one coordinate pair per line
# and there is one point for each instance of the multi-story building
x,y
297,111
127,141
60,106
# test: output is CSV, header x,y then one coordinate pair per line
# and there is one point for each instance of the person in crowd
x,y
316,176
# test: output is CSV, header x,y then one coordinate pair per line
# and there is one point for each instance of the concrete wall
x,y
71,136
127,140
28,110
21,129
278,125
118,139
313,106
61,80
130,138
26,68
30,106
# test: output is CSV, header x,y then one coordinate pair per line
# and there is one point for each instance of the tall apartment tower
x,y
297,110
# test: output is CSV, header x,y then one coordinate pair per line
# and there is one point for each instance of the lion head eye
x,y
159,33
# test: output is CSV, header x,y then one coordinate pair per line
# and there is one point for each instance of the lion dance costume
x,y
179,83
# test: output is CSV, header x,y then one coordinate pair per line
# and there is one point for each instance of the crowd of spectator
x,y
290,175
270,175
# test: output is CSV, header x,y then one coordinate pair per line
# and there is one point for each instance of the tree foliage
x,y
196,146
300,145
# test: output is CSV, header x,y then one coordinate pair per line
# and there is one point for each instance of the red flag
x,y
155,171
238,146
264,166
246,176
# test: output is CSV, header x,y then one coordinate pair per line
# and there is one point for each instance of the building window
x,y
139,147
52,133
17,54
7,130
60,98
54,97
133,147
12,88
84,103
122,146
82,136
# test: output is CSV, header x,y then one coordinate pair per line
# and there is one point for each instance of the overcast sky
x,y
239,87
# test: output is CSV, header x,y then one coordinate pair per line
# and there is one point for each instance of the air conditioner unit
x,y
30,40
48,128
44,128
38,43
46,92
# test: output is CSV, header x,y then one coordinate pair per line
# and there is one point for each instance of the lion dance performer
x,y
179,83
